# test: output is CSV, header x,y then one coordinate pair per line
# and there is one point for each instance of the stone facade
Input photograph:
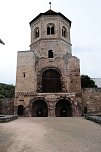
x,y
90,98
48,76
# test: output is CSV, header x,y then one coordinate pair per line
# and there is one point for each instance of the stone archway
x,y
63,108
51,81
39,108
20,110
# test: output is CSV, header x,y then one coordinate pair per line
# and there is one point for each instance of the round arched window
x,y
36,32
50,29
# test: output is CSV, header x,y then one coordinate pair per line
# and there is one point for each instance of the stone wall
x,y
91,98
51,99
25,72
7,106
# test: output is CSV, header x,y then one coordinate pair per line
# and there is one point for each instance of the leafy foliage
x,y
6,90
87,82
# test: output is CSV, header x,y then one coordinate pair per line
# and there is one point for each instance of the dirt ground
x,y
50,135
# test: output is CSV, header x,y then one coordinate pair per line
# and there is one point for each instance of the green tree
x,y
6,90
87,82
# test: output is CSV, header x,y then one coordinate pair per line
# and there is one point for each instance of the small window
x,y
64,31
50,29
50,54
36,32
24,74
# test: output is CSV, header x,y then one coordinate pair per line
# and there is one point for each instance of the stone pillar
x,y
51,110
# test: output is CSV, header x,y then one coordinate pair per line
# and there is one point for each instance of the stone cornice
x,y
51,40
62,94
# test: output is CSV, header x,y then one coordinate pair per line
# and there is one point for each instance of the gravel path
x,y
50,135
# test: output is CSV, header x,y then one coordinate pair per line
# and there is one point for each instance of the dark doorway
x,y
20,111
63,108
51,81
85,110
40,112
63,112
39,109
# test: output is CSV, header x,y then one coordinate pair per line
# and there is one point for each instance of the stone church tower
x,y
48,76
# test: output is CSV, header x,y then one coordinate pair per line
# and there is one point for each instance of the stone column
x,y
51,110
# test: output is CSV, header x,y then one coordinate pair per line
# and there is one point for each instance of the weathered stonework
x,y
7,106
51,99
48,76
91,98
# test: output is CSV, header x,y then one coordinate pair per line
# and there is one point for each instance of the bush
x,y
87,82
6,90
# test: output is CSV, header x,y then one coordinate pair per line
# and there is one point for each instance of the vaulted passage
x,y
63,108
39,109
20,111
51,81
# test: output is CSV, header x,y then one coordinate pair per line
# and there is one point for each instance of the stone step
x,y
7,118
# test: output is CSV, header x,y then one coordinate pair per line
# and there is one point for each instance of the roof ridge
x,y
50,12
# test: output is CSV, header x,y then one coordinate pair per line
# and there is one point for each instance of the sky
x,y
15,16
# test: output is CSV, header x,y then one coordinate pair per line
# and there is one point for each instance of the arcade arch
x,y
63,108
39,108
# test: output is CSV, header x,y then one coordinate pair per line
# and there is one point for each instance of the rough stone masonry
x,y
48,76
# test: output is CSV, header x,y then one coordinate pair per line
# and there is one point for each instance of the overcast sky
x,y
15,16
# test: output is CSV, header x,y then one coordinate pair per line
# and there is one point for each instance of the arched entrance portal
x,y
63,108
20,111
39,109
51,81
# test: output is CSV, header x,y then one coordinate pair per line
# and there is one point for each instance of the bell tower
x,y
51,44
51,27
48,74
